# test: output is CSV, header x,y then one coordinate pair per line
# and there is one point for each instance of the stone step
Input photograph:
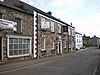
x,y
2,62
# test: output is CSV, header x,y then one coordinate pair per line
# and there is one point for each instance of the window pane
x,y
15,40
24,41
10,46
23,46
10,40
20,52
42,42
20,40
10,52
20,46
0,15
18,27
15,52
24,51
15,46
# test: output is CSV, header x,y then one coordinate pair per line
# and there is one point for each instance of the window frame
x,y
21,25
52,26
18,37
1,15
44,42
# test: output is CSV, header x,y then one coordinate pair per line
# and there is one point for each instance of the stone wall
x,y
27,29
52,39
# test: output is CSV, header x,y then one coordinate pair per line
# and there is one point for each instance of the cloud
x,y
89,26
95,7
68,5
59,3
71,4
28,1
77,4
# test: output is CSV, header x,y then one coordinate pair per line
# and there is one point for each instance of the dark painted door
x,y
59,47
0,48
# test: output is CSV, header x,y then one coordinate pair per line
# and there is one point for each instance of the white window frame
x,y
69,31
52,26
44,46
22,37
21,25
43,23
59,31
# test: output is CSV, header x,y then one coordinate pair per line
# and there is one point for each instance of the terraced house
x,y
71,38
31,33
16,33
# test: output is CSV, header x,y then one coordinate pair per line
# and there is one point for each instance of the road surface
x,y
79,63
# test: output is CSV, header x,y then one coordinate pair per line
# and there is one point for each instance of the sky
x,y
84,14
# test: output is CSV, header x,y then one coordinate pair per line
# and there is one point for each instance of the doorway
x,y
59,47
0,48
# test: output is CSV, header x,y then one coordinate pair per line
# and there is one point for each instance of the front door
x,y
0,48
59,47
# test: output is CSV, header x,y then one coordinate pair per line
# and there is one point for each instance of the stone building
x,y
71,38
95,41
87,41
41,33
16,34
51,38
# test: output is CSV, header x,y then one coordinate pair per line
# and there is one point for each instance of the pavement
x,y
14,65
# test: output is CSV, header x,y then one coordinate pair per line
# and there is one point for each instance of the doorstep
x,y
2,62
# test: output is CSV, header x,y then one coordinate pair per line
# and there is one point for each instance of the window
x,y
65,44
77,40
72,32
19,46
43,42
65,29
77,35
69,31
43,23
0,15
52,42
19,25
52,26
59,28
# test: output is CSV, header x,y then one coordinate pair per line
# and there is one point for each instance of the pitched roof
x,y
14,8
30,10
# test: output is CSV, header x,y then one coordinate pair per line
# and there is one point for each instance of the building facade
x,y
78,40
95,41
87,41
27,32
71,38
16,34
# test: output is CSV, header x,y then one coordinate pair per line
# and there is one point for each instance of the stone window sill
x,y
43,50
52,49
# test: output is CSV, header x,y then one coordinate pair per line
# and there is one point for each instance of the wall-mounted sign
x,y
6,24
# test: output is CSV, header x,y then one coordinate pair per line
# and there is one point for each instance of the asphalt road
x,y
80,63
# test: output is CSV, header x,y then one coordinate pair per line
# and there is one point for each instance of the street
x,y
80,63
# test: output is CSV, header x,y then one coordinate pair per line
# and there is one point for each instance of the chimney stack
x,y
50,13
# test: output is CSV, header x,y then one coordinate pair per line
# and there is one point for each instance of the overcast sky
x,y
84,14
